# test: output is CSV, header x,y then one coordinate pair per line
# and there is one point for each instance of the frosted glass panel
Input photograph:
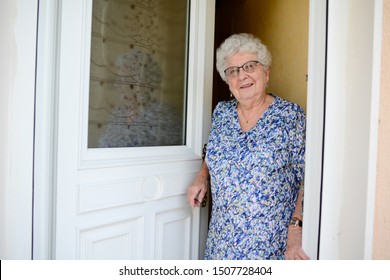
x,y
138,73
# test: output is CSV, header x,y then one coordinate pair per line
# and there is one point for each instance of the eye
x,y
232,71
250,66
235,71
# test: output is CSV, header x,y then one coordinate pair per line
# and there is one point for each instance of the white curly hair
x,y
241,43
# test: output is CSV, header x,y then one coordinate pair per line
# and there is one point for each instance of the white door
x,y
127,202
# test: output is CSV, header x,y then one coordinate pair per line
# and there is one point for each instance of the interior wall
x,y
381,246
282,25
224,10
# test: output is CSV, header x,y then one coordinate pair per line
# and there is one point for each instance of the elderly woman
x,y
254,162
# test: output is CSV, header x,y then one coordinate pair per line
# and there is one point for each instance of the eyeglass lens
x,y
248,67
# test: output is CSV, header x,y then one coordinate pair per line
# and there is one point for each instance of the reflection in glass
x,y
137,73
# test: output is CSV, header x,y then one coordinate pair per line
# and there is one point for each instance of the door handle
x,y
204,201
204,151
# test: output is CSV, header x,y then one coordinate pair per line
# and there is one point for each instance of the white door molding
x,y
314,125
45,130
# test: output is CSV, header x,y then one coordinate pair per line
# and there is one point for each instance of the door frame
x,y
314,122
331,203
352,83
318,110
45,131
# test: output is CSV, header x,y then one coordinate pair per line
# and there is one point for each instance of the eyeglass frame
x,y
242,67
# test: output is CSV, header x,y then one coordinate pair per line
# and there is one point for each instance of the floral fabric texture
x,y
255,178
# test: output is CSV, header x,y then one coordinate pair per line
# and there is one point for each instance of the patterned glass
x,y
138,73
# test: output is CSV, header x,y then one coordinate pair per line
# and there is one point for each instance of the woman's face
x,y
247,87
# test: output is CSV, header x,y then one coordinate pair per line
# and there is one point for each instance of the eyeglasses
x,y
248,67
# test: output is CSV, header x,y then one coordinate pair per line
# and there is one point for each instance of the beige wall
x,y
381,246
283,26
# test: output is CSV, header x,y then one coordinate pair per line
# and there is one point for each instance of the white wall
x,y
17,73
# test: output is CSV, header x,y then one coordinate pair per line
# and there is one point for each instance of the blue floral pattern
x,y
255,178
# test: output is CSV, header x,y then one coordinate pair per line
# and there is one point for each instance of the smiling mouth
x,y
246,86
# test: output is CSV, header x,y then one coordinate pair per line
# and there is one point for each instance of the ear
x,y
267,72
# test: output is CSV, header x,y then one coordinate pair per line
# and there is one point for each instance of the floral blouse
x,y
255,179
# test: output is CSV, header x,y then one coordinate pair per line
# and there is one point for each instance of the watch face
x,y
296,222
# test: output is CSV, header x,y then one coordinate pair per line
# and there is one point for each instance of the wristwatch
x,y
296,222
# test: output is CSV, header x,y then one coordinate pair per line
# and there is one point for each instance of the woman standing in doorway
x,y
254,162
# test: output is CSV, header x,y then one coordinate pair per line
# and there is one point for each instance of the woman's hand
x,y
197,191
198,188
294,249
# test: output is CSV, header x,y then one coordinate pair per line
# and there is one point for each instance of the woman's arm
x,y
294,249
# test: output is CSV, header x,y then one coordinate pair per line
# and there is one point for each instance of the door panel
x,y
126,202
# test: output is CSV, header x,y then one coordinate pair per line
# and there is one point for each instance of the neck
x,y
249,105
251,112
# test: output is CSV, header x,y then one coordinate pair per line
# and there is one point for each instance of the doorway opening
x,y
283,26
